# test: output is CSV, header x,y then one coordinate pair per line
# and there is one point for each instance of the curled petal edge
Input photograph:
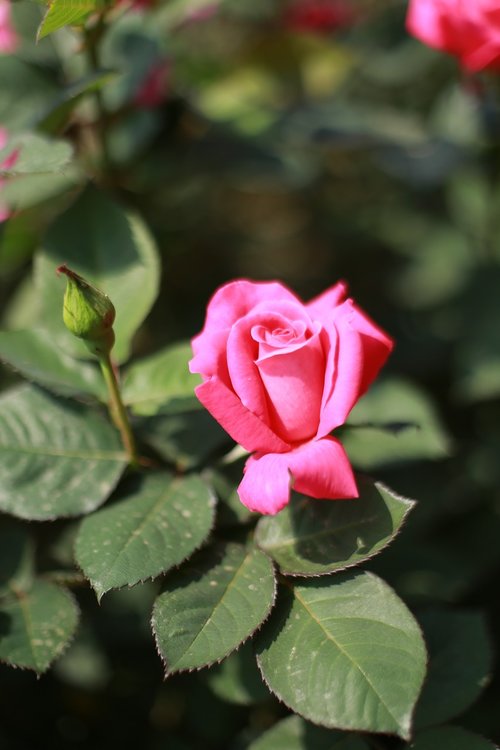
x,y
319,469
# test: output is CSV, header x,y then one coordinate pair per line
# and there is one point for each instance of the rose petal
x,y
427,21
319,468
242,351
236,299
321,307
243,426
293,380
358,350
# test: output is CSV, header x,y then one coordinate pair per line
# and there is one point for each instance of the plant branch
x,y
117,409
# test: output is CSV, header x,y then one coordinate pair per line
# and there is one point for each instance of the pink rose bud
x,y
320,16
469,30
279,375
8,36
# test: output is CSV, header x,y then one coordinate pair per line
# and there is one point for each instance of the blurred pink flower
x,y
8,36
320,16
7,163
154,87
468,29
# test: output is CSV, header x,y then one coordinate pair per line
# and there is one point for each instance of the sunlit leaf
x,y
56,458
161,520
210,607
110,248
314,537
345,653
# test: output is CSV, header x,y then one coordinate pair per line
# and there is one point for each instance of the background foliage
x,y
267,151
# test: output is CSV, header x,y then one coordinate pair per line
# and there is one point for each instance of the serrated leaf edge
x,y
76,609
406,501
408,735
168,672
101,591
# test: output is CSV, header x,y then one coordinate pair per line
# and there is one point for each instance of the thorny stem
x,y
117,409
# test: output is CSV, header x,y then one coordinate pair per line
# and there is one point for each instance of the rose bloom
x,y
8,36
469,29
321,16
279,375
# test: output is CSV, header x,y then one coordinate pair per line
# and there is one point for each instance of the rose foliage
x,y
218,510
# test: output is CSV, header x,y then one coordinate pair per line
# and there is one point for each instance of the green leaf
x,y
38,357
26,90
294,733
36,625
56,116
30,190
314,537
237,679
394,422
157,380
460,662
162,520
211,606
450,738
345,653
16,559
56,458
110,248
63,13
37,154
187,439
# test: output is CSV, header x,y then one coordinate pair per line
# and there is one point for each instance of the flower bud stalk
x,y
89,314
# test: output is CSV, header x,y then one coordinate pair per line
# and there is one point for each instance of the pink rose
x,y
279,375
320,16
469,29
8,36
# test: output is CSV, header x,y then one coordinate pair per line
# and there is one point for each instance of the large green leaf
x,y
294,733
37,356
36,625
314,537
56,458
110,248
394,422
154,382
460,662
450,738
210,607
65,12
37,154
345,653
159,523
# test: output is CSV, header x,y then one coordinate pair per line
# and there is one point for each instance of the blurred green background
x,y
280,150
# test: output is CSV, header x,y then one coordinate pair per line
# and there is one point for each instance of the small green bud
x,y
88,313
